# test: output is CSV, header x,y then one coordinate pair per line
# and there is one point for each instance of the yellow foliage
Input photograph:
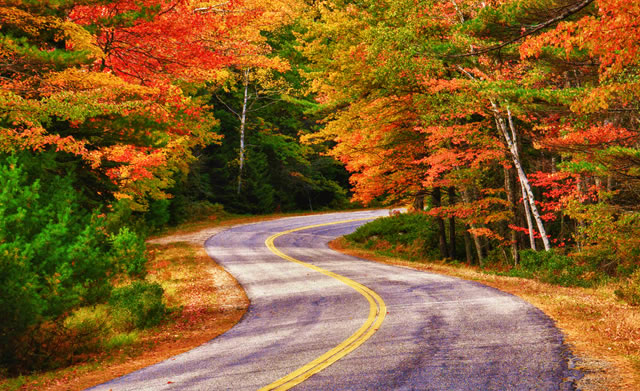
x,y
28,23
82,80
76,37
80,39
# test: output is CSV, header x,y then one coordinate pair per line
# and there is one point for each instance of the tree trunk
x,y
599,187
442,233
511,139
511,198
452,223
467,246
527,213
418,201
478,244
476,240
243,122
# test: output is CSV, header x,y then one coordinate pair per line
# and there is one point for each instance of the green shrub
x,y
629,290
201,209
89,320
120,340
185,210
158,214
86,327
554,268
122,214
58,343
608,237
53,255
411,234
128,250
137,306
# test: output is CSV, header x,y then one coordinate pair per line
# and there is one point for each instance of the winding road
x,y
320,320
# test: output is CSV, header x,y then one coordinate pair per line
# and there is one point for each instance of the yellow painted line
x,y
377,313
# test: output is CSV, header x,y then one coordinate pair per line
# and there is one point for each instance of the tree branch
x,y
227,106
568,12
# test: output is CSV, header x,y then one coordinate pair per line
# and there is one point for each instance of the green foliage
x,y
89,320
122,215
128,250
54,255
554,268
51,345
121,340
204,208
158,214
138,306
279,174
409,234
185,210
608,237
86,327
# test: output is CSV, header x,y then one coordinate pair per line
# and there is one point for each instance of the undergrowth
x,y
414,237
554,268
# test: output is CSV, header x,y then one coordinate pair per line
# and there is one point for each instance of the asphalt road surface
x,y
369,326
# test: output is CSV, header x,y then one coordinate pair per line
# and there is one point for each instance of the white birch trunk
x,y
243,121
511,143
527,213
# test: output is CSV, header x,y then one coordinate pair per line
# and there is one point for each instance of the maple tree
x,y
154,40
81,78
597,141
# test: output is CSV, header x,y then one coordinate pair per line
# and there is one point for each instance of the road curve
x,y
438,333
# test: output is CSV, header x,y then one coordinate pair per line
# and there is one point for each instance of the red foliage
x,y
154,40
566,137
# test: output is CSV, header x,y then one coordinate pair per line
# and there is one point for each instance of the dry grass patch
x,y
602,331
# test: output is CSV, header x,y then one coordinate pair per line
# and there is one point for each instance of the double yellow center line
x,y
377,313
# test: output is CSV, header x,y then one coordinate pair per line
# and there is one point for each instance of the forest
x,y
508,128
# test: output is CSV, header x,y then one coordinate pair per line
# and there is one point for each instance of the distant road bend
x,y
320,320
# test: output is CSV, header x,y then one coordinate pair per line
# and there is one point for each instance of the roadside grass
x,y
206,301
602,331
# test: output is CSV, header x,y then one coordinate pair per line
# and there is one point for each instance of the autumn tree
x,y
597,141
406,119
525,108
164,40
90,80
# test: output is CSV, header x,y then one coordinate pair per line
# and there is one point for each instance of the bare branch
x,y
227,106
